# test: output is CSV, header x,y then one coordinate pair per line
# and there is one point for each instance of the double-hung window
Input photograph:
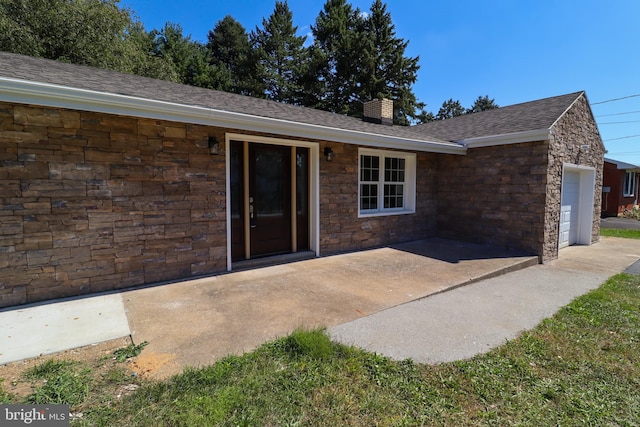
x,y
386,182
629,189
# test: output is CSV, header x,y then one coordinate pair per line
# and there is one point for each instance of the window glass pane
x,y
393,196
394,169
368,196
369,166
629,184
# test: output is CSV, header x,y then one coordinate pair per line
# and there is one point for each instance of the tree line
x,y
353,56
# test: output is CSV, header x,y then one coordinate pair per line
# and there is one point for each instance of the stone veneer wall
x,y
341,229
92,202
495,195
575,128
510,195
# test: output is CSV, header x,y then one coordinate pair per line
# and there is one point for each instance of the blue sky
x,y
512,50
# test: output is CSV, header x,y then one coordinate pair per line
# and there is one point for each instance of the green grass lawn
x,y
580,367
614,232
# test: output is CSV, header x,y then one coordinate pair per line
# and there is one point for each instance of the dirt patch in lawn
x,y
98,358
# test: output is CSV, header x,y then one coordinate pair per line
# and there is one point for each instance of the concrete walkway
x,y
474,319
197,322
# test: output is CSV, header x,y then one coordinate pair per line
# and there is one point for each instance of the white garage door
x,y
570,208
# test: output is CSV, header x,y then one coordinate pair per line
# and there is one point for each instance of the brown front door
x,y
269,199
266,179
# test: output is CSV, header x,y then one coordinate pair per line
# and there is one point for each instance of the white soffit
x,y
29,92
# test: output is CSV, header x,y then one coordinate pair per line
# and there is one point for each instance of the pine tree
x,y
360,58
450,109
335,53
231,53
280,54
482,103
190,59
385,71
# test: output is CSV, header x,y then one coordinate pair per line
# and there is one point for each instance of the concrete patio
x,y
196,322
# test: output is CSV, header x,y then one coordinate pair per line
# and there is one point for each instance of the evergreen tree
x,y
482,103
280,54
190,59
385,71
450,109
142,58
359,58
425,117
336,51
232,54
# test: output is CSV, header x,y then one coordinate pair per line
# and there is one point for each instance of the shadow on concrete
x,y
454,251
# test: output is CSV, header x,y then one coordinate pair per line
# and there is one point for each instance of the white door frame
x,y
314,184
587,177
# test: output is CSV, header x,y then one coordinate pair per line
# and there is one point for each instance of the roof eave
x,y
30,92
622,165
507,138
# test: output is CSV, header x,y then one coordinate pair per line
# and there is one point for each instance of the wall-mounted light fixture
x,y
214,145
584,147
328,153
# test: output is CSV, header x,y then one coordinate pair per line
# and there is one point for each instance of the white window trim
x,y
409,183
629,184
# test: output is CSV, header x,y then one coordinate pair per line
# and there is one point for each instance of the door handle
x,y
252,219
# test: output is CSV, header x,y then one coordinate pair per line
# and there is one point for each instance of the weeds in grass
x,y
132,350
4,396
61,383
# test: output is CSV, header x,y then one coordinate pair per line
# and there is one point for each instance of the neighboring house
x,y
619,187
111,180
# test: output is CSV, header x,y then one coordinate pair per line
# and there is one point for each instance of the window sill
x,y
385,213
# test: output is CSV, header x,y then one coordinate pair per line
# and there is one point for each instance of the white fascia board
x,y
507,138
28,92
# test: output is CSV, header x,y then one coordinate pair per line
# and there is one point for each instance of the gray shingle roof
x,y
107,81
528,116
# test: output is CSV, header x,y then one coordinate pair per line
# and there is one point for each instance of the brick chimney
x,y
379,111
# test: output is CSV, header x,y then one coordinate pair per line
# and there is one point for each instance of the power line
x,y
617,123
615,99
618,114
622,137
